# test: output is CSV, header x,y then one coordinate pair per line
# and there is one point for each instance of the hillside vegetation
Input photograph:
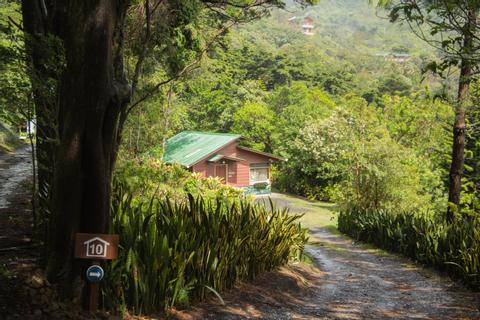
x,y
357,126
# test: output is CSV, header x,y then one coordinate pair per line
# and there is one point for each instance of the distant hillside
x,y
353,24
356,24
348,35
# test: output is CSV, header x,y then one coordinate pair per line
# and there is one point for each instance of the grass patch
x,y
317,214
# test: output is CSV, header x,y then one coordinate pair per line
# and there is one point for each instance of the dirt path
x,y
354,281
359,283
14,169
15,214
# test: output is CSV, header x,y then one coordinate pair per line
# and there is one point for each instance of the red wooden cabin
x,y
220,155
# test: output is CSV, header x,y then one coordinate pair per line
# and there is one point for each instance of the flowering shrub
x,y
152,177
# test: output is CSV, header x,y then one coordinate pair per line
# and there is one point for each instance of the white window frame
x,y
258,166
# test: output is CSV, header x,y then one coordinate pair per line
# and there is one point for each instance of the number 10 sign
x,y
96,246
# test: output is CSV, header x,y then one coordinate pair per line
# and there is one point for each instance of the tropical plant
x,y
452,27
172,252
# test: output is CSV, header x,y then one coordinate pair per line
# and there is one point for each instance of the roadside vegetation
x,y
176,252
444,236
314,213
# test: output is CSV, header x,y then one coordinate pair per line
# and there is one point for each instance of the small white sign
x,y
96,247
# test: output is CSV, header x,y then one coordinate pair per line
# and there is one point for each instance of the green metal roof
x,y
189,147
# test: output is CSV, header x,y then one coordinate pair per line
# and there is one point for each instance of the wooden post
x,y
94,289
93,300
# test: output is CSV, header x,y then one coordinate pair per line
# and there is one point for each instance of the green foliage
x,y
395,84
148,177
8,140
272,84
173,253
352,158
14,82
271,63
452,247
295,105
261,185
438,23
471,182
147,128
256,122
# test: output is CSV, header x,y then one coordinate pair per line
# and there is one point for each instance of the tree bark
x,y
93,91
459,128
43,78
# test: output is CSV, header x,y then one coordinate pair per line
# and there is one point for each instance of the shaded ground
x,y
24,292
282,294
18,254
15,213
355,281
15,168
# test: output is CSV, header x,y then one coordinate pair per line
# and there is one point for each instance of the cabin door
x,y
221,172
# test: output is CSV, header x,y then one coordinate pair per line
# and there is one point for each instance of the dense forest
x,y
353,97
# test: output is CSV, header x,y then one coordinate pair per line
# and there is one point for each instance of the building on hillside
x,y
219,155
400,57
307,26
292,19
395,57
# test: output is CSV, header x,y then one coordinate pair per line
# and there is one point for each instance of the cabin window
x,y
259,173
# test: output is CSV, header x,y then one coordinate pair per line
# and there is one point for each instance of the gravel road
x,y
15,214
14,169
360,283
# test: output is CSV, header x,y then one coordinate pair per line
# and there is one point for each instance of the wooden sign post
x,y
95,247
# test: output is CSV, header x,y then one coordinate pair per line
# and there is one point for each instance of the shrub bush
x,y
147,177
451,247
261,185
8,140
172,252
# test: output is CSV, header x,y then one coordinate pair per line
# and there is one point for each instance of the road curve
x,y
360,283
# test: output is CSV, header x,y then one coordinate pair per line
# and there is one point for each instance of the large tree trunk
x,y
93,91
43,77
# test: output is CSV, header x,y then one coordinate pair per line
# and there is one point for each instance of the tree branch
x,y
143,53
181,72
